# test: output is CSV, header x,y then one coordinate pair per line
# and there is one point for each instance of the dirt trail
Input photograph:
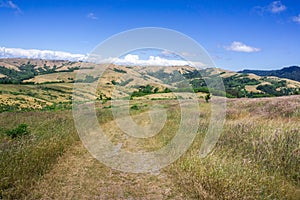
x,y
77,175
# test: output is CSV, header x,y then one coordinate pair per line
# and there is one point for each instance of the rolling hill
x,y
27,84
292,72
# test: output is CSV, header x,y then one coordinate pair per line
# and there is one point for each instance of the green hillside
x,y
292,72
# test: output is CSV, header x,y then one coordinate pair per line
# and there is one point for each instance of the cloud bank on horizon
x,y
39,54
129,59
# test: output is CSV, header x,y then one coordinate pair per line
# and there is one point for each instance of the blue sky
x,y
238,34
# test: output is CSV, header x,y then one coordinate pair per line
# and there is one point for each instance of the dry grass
x,y
257,156
77,175
24,160
252,88
54,77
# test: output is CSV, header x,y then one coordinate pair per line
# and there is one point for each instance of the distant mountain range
x,y
292,72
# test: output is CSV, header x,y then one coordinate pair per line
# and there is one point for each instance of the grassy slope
x,y
257,157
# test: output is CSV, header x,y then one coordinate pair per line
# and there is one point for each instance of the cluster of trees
x,y
28,71
235,86
123,83
292,73
148,89
272,90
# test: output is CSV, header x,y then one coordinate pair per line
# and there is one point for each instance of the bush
x,y
114,82
124,83
21,130
120,71
207,98
134,107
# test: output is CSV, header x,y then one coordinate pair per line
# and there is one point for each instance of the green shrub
x,y
207,98
114,82
124,83
120,70
21,130
134,107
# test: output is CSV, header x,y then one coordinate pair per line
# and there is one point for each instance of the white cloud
x,y
129,59
134,60
39,54
11,5
296,19
277,7
241,47
92,16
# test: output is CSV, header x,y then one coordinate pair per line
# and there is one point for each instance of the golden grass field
x,y
256,157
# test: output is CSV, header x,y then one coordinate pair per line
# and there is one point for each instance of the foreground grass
x,y
24,160
257,156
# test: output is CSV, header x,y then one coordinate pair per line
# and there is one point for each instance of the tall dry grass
x,y
257,156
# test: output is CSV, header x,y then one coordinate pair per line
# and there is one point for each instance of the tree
x,y
207,97
167,90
